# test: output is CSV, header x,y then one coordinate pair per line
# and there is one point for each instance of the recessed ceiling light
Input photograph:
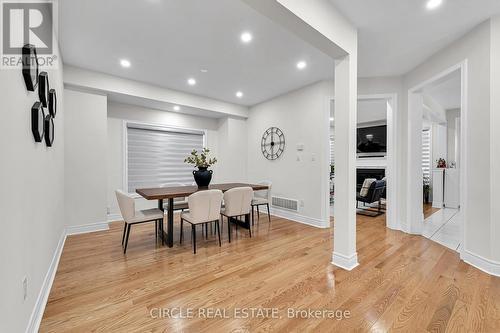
x,y
246,37
177,108
433,4
204,70
239,94
125,63
191,81
331,118
301,64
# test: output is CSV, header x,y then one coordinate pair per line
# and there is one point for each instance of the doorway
x,y
436,117
376,118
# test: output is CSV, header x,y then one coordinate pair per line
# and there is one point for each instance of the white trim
x,y
463,68
114,218
488,266
391,166
86,228
43,295
347,263
285,214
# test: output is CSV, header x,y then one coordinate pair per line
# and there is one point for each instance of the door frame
x,y
415,224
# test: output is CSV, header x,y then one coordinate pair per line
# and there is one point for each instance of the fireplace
x,y
362,174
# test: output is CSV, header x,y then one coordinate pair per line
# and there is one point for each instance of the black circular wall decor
x,y
43,88
52,103
30,66
37,121
48,130
273,143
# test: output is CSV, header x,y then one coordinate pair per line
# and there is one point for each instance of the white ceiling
x,y
397,35
446,92
168,41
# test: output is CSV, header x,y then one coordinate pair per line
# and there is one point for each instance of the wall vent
x,y
290,204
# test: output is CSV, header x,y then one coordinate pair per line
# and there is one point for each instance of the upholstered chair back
x,y
205,205
264,194
238,201
126,204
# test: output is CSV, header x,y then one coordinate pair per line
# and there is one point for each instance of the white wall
x,y
85,158
475,47
31,197
232,150
118,113
495,138
296,174
453,133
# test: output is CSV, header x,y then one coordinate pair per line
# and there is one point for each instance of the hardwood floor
x,y
429,210
404,283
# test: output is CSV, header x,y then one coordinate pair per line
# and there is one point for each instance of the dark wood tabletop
x,y
169,192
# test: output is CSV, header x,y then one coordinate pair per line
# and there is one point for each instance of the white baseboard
x,y
114,218
345,262
86,228
43,295
486,265
318,223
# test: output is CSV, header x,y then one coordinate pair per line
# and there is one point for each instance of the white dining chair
x,y
131,216
237,203
204,208
262,198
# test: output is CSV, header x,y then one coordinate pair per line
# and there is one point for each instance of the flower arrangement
x,y
201,160
441,163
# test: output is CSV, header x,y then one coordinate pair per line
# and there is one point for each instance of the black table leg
x,y
160,227
170,223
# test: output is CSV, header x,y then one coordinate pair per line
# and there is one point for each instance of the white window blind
x,y
155,155
332,149
426,153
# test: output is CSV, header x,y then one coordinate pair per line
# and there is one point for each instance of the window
x,y
155,155
426,154
332,149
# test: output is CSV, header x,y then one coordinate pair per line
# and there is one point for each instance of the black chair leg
x,y
247,222
182,231
206,230
126,238
124,229
268,213
258,213
228,228
193,229
217,226
253,215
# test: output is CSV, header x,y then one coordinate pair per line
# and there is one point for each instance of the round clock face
x,y
273,143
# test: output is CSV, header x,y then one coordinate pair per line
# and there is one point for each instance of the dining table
x,y
171,192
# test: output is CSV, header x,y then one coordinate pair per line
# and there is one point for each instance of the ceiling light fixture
x,y
125,63
301,64
191,81
239,94
433,4
177,108
331,118
246,37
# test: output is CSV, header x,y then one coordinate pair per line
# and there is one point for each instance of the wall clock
x,y
273,143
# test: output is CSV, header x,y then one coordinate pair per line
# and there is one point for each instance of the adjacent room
x,y
250,166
